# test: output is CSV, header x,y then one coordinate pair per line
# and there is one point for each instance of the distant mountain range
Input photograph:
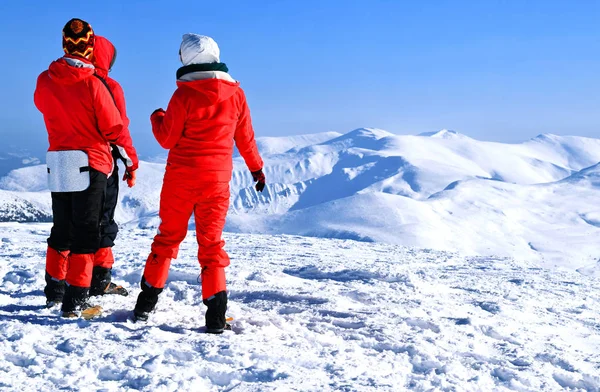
x,y
534,200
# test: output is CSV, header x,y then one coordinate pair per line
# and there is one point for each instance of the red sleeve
x,y
127,151
244,137
37,93
108,117
168,126
119,95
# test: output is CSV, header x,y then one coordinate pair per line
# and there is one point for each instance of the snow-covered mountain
x,y
12,158
25,207
443,190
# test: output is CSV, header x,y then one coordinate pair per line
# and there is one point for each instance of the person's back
x,y
207,114
71,121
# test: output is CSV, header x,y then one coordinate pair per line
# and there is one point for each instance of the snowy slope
x,y
25,207
27,179
310,315
441,190
558,223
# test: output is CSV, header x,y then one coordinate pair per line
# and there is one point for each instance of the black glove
x,y
259,178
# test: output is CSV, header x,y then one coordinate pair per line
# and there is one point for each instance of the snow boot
x,y
215,314
146,301
75,304
112,288
86,311
54,290
102,285
51,304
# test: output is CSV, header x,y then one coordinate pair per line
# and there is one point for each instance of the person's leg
x,y
87,207
102,272
59,243
176,207
104,259
210,213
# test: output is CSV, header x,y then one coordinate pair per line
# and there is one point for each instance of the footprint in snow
x,y
274,296
422,324
491,307
20,360
460,320
346,324
347,275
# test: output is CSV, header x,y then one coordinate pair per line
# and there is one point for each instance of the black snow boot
x,y
146,301
75,304
102,285
215,314
54,290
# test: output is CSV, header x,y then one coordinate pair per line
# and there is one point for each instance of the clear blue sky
x,y
494,70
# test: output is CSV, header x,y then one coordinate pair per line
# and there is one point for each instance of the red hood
x,y
104,54
213,90
61,72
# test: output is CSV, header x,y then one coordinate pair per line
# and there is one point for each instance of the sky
x,y
494,70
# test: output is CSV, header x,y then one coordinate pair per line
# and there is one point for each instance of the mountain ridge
x,y
371,185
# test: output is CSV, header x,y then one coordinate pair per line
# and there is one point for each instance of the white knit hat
x,y
198,49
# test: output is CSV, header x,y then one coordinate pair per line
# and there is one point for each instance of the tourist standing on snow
x,y
206,114
104,58
81,119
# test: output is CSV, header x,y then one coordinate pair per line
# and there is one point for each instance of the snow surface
x,y
310,315
535,200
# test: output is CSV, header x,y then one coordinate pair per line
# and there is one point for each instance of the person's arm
x,y
167,126
244,137
246,144
127,152
108,117
37,93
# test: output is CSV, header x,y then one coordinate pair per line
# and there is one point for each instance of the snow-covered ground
x,y
310,315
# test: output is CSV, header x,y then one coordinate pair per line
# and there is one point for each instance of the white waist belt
x,y
68,171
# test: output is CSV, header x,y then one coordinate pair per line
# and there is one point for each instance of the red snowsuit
x,y
104,56
79,114
206,114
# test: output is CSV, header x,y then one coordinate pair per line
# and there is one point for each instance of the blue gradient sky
x,y
494,70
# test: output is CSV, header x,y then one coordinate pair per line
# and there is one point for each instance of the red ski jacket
x,y
78,111
206,115
104,57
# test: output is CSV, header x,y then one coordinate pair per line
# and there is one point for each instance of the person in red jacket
x,y
82,120
104,58
207,114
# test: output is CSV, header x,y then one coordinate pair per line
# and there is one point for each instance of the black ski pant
x,y
109,227
76,217
103,262
76,220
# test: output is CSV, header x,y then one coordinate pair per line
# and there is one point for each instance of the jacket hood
x,y
214,86
104,55
198,49
69,70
